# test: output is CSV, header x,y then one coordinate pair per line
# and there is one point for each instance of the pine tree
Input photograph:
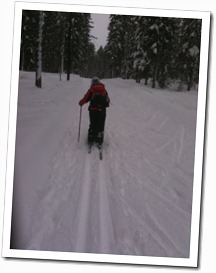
x,y
85,48
188,57
115,47
127,65
62,43
139,49
28,53
166,30
78,42
53,41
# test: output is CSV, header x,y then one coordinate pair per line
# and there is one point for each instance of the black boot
x,y
90,137
100,138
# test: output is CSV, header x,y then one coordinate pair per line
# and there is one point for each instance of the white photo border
x,y
192,261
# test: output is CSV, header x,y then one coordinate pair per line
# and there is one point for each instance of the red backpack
x,y
99,98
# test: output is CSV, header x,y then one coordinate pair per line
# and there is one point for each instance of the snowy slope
x,y
136,201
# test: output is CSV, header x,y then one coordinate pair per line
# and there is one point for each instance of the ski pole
x,y
80,117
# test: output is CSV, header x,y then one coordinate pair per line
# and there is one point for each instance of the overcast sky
x,y
100,30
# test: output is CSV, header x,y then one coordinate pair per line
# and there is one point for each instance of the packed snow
x,y
136,201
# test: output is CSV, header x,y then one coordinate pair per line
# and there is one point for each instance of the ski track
x,y
128,202
106,222
83,210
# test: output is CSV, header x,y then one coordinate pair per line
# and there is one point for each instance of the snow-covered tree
x,y
30,25
55,42
119,45
116,43
165,28
139,53
85,46
188,55
159,49
78,37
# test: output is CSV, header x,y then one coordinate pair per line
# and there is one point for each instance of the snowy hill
x,y
136,201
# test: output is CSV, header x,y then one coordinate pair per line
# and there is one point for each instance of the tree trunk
x,y
38,81
155,71
69,48
62,54
190,79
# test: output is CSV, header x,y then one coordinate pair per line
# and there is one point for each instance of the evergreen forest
x,y
155,50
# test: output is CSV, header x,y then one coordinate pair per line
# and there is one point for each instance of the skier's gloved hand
x,y
81,103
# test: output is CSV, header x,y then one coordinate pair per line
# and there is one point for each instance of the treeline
x,y
65,42
158,50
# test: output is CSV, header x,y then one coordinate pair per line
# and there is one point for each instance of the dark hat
x,y
95,80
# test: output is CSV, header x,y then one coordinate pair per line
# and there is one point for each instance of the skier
x,y
99,100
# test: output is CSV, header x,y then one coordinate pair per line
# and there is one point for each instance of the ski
x,y
100,152
99,149
89,148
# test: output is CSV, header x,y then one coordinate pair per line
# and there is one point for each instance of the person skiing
x,y
99,100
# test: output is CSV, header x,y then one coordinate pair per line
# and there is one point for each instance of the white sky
x,y
100,30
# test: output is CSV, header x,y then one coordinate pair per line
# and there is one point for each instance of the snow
x,y
136,201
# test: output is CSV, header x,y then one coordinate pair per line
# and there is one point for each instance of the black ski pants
x,y
96,126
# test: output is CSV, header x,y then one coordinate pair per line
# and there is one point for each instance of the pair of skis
x,y
99,149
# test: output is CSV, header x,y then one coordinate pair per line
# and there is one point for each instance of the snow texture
x,y
136,201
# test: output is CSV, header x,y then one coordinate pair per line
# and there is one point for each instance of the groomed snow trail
x,y
137,200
